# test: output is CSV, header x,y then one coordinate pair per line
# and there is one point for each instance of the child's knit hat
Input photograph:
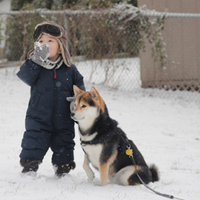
x,y
58,32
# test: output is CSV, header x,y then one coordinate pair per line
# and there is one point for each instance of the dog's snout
x,y
72,114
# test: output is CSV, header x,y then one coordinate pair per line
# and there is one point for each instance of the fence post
x,y
66,26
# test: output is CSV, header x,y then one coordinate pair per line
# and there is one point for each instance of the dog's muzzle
x,y
72,114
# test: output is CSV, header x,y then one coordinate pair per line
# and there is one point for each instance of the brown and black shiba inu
x,y
105,144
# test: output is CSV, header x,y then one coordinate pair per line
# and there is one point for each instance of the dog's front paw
x,y
90,175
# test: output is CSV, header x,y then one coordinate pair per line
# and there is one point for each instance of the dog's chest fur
x,y
93,152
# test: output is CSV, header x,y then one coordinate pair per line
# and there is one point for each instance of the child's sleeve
x,y
78,79
29,72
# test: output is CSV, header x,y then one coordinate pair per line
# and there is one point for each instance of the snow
x,y
166,131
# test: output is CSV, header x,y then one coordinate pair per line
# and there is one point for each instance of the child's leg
x,y
63,152
34,147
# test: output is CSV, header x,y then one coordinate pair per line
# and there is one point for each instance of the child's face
x,y
54,49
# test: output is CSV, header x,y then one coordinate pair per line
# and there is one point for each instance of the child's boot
x,y
30,165
64,168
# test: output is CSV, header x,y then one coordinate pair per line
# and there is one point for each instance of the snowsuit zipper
x,y
54,75
55,96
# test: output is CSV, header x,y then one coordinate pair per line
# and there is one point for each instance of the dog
x,y
105,144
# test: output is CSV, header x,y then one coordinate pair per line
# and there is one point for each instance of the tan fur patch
x,y
104,173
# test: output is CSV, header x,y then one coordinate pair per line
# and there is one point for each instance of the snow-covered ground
x,y
166,130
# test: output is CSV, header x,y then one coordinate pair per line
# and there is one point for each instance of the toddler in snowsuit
x,y
51,75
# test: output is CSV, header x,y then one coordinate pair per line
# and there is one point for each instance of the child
x,y
51,76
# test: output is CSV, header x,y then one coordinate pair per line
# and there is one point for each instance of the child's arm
x,y
78,79
30,69
29,72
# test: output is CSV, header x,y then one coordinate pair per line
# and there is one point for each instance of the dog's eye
x,y
84,106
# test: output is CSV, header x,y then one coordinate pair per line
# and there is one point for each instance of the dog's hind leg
x,y
87,168
144,174
122,176
127,175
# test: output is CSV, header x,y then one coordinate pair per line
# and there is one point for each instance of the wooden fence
x,y
182,38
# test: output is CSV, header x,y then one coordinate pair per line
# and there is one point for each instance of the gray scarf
x,y
50,64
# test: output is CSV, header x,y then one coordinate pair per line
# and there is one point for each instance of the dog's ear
x,y
77,91
94,93
96,96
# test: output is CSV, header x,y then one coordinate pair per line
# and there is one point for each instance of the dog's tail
x,y
154,172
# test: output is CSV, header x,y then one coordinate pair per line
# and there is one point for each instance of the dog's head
x,y
87,105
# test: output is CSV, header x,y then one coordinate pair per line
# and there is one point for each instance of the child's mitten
x,y
71,100
41,53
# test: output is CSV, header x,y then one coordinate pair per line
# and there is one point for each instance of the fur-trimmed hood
x,y
61,40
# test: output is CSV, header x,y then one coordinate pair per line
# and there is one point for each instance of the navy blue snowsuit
x,y
48,122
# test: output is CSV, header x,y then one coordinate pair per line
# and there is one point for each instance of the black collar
x,y
96,140
88,142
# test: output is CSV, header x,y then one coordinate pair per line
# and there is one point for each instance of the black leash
x,y
129,152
